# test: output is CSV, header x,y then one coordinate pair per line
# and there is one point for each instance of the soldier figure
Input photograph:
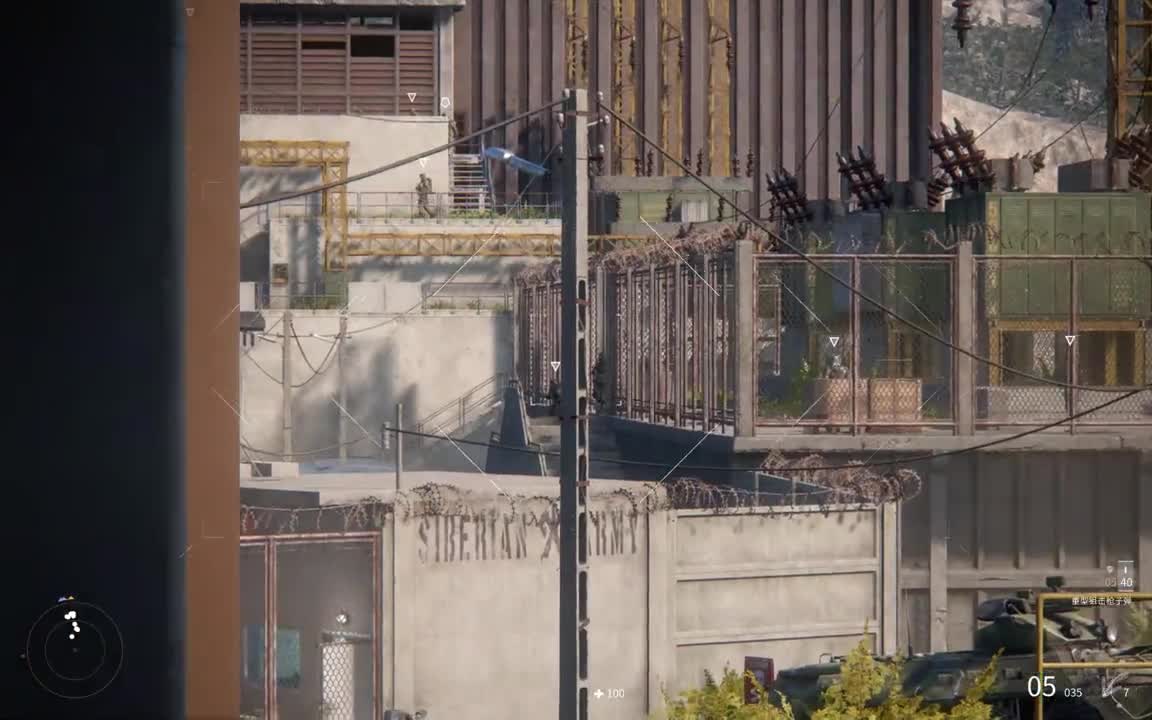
x,y
423,190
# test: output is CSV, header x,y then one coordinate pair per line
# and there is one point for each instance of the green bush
x,y
856,696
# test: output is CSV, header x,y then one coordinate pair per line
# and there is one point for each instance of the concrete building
x,y
1039,304
730,87
336,90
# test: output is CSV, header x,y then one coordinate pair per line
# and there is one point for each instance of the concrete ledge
x,y
625,183
269,470
1135,439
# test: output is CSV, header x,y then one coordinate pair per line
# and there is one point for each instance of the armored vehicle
x,y
1009,626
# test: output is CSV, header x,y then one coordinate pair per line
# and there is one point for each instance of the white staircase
x,y
469,186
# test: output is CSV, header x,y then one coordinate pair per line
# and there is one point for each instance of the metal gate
x,y
310,617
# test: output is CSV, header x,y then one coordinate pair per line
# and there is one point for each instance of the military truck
x,y
1008,626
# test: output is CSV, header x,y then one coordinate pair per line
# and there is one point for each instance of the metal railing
x,y
661,342
479,297
437,206
301,296
456,413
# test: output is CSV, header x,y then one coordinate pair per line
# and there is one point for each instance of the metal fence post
x,y
745,330
854,358
1073,353
964,320
606,330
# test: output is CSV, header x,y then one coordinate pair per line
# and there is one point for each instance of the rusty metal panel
x,y
881,85
648,65
672,72
769,63
695,31
512,58
827,75
834,100
416,62
852,81
741,108
464,57
790,119
718,115
811,96
901,141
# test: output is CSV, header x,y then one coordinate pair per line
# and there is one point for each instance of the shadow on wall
x,y
262,182
371,396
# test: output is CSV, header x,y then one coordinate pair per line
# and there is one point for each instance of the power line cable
x,y
1027,85
729,468
1091,113
399,163
847,285
836,105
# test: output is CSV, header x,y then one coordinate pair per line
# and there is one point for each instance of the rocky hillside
x,y
1021,132
1008,12
992,71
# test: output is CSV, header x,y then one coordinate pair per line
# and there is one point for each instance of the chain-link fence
x,y
827,357
1073,321
1049,336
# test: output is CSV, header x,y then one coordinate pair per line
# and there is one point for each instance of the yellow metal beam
x,y
331,158
672,79
719,88
1130,71
481,244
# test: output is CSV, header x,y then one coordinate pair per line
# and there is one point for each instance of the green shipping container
x,y
1038,224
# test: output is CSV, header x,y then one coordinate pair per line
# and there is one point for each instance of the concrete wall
x,y
993,523
469,596
423,360
789,587
300,243
372,142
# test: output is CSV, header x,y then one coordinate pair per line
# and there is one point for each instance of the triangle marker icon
x,y
423,162
1070,339
835,340
411,97
555,365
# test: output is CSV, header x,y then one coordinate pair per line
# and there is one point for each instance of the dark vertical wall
x,y
98,512
811,77
212,358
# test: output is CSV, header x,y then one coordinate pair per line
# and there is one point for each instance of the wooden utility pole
x,y
211,147
286,385
574,412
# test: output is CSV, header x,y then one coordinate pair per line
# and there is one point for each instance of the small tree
x,y
1138,622
866,690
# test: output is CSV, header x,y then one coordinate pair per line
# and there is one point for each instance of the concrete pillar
x,y
964,328
938,556
212,429
661,591
890,577
403,616
745,291
445,60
